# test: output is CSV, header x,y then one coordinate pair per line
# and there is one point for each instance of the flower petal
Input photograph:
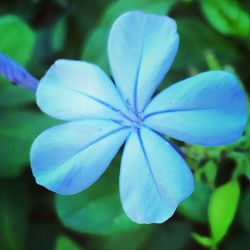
x,y
154,178
68,158
74,90
15,73
207,109
141,49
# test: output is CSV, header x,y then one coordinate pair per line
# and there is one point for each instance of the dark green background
x,y
214,34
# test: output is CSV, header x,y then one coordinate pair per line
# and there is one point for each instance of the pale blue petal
x,y
154,178
68,158
207,109
73,90
141,49
15,73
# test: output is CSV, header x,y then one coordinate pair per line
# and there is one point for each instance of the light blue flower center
x,y
136,122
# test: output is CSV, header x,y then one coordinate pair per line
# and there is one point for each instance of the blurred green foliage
x,y
222,208
20,49
65,243
213,35
228,17
97,210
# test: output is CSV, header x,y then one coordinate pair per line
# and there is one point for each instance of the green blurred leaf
x,y
174,236
65,243
130,240
15,97
212,61
195,207
208,171
205,39
13,215
17,39
222,208
227,16
62,3
160,7
95,49
19,126
240,150
245,210
18,129
98,209
203,240
59,34
247,131
242,164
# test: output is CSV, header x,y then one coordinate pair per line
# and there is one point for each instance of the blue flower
x,y
16,73
207,109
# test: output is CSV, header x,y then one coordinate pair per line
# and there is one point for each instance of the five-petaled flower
x,y
207,109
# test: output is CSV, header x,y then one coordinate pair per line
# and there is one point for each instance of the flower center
x,y
137,122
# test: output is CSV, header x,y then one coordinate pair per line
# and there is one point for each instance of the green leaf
x,y
212,61
160,7
65,243
17,40
206,39
98,209
195,207
222,208
58,34
20,124
227,16
203,240
130,240
208,171
173,236
242,164
14,215
247,130
62,3
15,97
95,49
245,210
18,130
